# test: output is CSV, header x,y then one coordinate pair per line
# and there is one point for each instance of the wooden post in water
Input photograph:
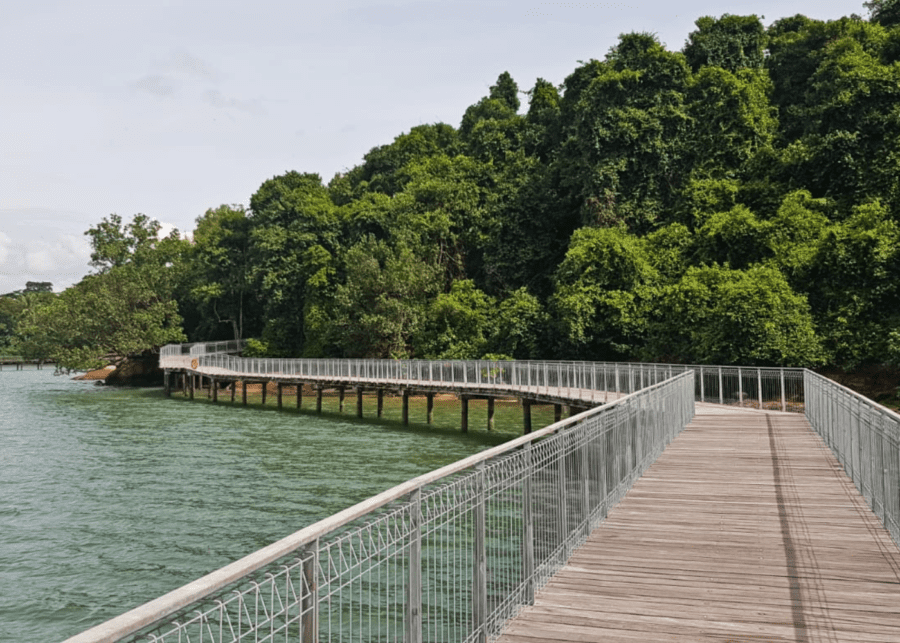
x,y
167,383
359,402
341,399
526,415
464,413
244,392
214,389
429,404
319,399
233,388
280,386
209,381
380,396
405,397
191,387
557,412
264,387
490,424
184,384
299,394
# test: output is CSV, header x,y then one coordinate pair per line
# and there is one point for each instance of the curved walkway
x,y
746,528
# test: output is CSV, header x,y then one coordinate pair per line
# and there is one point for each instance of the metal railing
x,y
770,388
448,556
201,348
865,438
585,381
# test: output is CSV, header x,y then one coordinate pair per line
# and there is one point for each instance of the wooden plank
x,y
746,528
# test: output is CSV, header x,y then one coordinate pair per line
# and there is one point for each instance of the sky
x,y
169,108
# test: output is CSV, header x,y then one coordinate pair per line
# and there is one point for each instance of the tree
x,y
605,286
380,309
104,319
627,154
715,315
730,42
854,286
220,259
458,323
884,12
138,242
293,241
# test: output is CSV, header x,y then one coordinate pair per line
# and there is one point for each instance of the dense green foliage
x,y
735,202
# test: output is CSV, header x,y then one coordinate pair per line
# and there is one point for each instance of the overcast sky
x,y
171,107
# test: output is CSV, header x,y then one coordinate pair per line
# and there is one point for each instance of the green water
x,y
112,497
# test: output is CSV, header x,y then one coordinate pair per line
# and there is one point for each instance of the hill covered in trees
x,y
734,202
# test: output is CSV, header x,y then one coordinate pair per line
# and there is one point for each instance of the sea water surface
x,y
111,497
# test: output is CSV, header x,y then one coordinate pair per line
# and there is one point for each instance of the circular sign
x,y
194,363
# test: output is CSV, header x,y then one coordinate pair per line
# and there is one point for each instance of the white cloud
x,y
39,261
156,84
5,242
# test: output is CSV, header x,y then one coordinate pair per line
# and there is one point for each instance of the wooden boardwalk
x,y
745,529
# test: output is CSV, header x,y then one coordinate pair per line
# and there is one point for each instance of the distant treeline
x,y
734,202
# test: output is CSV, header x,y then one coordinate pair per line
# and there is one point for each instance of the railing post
x,y
414,589
309,604
759,387
721,392
563,526
585,484
740,388
783,405
528,522
702,389
479,556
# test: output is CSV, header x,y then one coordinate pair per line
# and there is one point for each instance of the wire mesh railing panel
x,y
865,438
448,559
269,606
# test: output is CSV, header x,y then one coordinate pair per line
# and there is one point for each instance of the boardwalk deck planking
x,y
745,529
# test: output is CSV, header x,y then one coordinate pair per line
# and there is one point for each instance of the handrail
x,y
761,387
639,426
865,438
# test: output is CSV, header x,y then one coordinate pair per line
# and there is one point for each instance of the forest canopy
x,y
735,202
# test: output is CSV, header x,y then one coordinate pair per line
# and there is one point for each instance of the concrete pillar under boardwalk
x,y
359,402
319,400
430,407
490,422
464,413
380,395
280,393
526,415
405,397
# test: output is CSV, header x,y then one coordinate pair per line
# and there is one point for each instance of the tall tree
x,y
730,42
220,260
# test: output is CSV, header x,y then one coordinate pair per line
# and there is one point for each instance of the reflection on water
x,y
112,497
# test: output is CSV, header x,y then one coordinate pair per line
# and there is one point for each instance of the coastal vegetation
x,y
735,202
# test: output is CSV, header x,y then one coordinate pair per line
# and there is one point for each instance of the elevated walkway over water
x,y
653,517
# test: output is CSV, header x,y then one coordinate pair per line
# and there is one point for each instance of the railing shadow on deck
x,y
448,556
